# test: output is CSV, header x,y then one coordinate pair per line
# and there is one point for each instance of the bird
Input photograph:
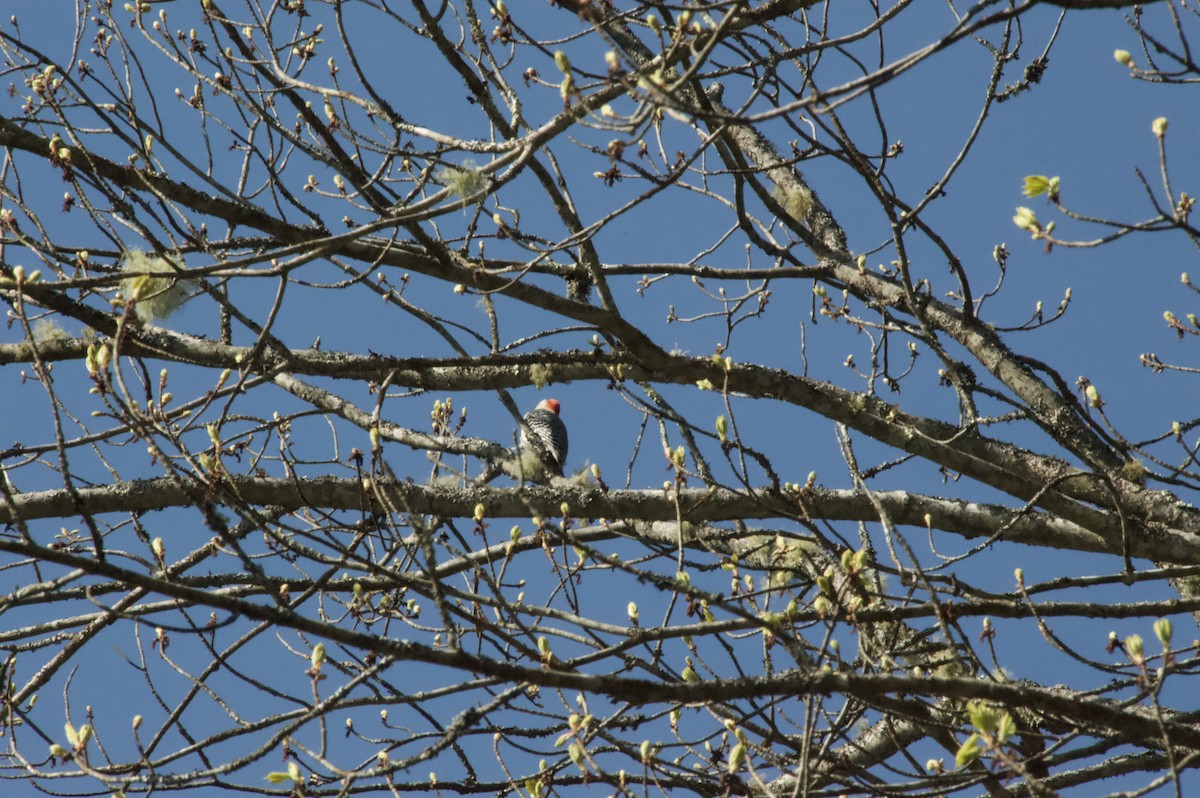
x,y
547,427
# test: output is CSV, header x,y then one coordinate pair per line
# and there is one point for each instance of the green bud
x,y
1163,630
859,561
737,756
1026,219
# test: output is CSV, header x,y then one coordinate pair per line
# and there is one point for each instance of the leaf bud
x,y
1163,630
1135,648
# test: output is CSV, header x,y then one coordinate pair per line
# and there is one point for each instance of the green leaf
x,y
983,717
1035,185
968,752
1007,728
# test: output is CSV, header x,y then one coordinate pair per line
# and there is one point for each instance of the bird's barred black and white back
x,y
545,422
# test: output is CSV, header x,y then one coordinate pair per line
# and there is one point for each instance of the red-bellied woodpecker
x,y
544,423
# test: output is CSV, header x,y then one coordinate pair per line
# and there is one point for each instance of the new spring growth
x,y
737,756
853,561
562,62
1093,396
1163,630
1036,185
575,752
1123,57
479,512
1026,220
1159,126
722,428
293,775
159,548
632,609
679,457
1135,649
654,24
317,657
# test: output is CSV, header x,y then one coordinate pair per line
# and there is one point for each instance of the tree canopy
x,y
864,496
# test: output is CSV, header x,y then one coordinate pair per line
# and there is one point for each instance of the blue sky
x,y
1087,122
